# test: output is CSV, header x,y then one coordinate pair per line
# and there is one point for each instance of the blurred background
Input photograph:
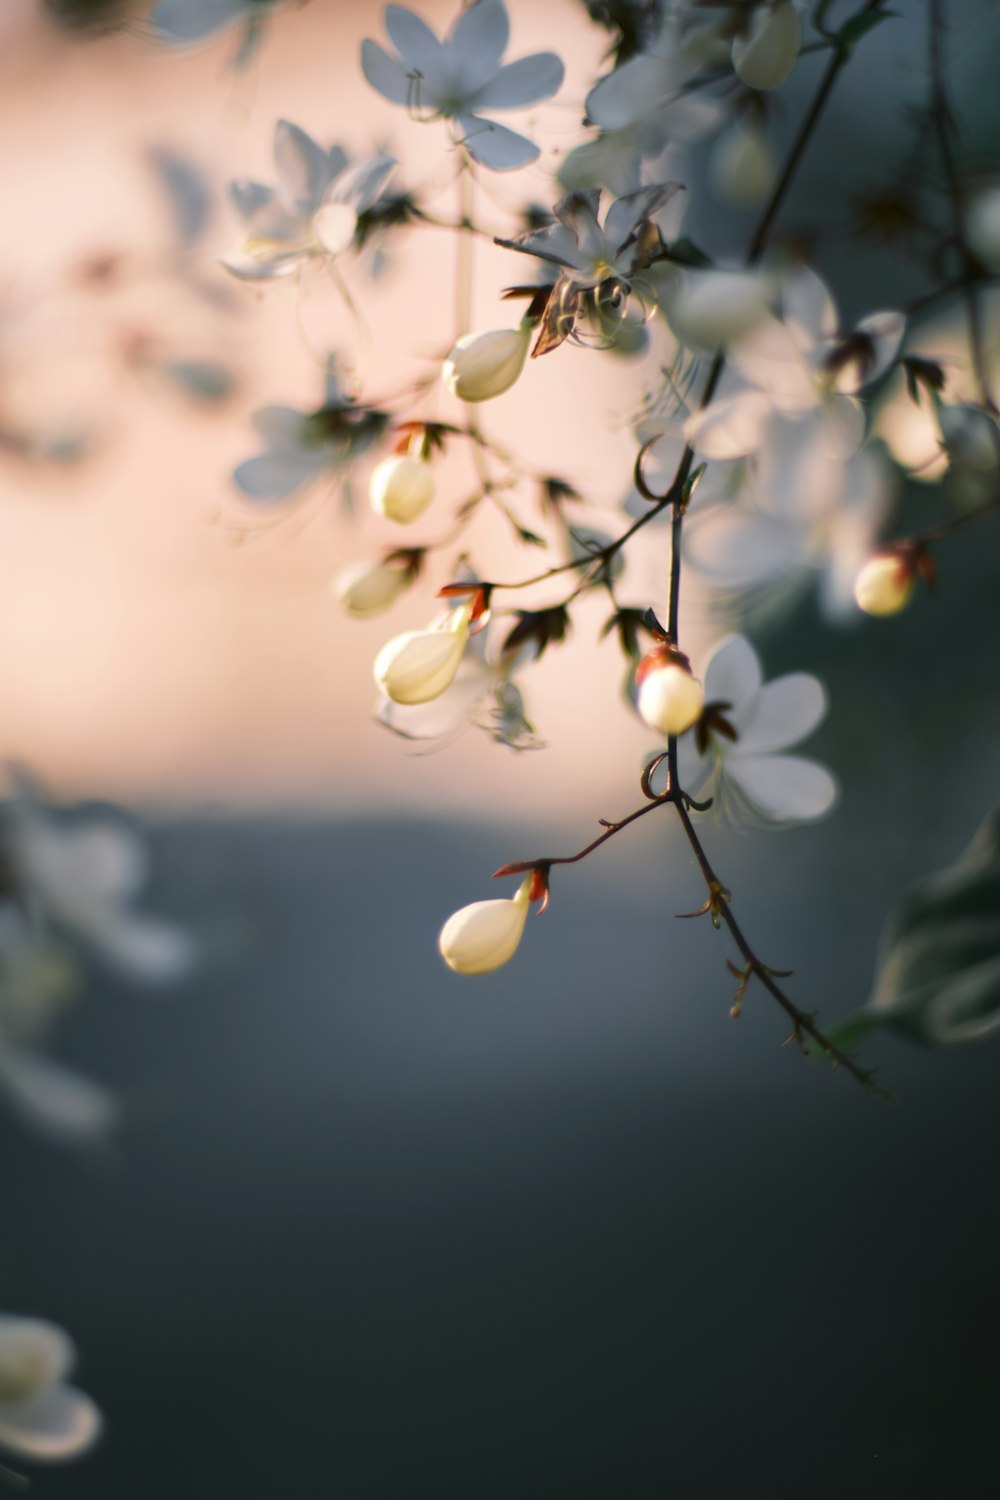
x,y
369,1229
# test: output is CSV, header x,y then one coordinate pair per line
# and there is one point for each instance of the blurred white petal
x,y
784,786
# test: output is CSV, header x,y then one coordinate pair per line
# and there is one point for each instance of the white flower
x,y
401,488
669,697
735,754
765,54
885,584
461,76
313,209
367,588
484,936
42,1419
82,877
421,664
588,251
484,365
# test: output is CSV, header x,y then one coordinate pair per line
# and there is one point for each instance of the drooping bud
x,y
401,488
885,583
484,365
484,936
741,168
421,664
670,697
765,54
367,588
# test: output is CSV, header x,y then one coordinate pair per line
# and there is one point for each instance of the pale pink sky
x,y
145,652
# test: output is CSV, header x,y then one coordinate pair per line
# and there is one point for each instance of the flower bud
x,y
670,698
885,583
483,936
483,365
401,488
982,227
421,664
367,588
741,168
765,55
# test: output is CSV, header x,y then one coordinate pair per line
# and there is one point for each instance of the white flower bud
x,y
885,583
707,309
33,1355
483,365
670,699
741,168
401,488
419,665
982,227
765,55
367,588
483,936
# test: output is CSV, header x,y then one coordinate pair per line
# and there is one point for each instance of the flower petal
x,y
275,476
362,184
61,1104
808,309
415,42
627,212
731,427
786,710
771,358
478,40
34,1354
335,226
784,786
302,166
182,21
59,1424
739,549
733,674
523,82
386,74
494,145
626,96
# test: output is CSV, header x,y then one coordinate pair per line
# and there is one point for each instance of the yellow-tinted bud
x,y
764,57
367,588
670,699
483,365
421,664
885,583
401,488
484,936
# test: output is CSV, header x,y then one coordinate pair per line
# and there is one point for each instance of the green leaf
x,y
939,972
858,26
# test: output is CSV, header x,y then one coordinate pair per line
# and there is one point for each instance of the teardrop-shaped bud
x,y
483,936
670,697
765,55
885,583
421,664
401,488
483,365
367,588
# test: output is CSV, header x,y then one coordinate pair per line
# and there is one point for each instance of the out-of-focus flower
x,y
643,105
420,665
313,210
708,309
736,754
486,935
670,697
42,1419
81,876
741,168
484,365
368,588
461,76
982,227
401,488
885,584
765,53
302,446
183,23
